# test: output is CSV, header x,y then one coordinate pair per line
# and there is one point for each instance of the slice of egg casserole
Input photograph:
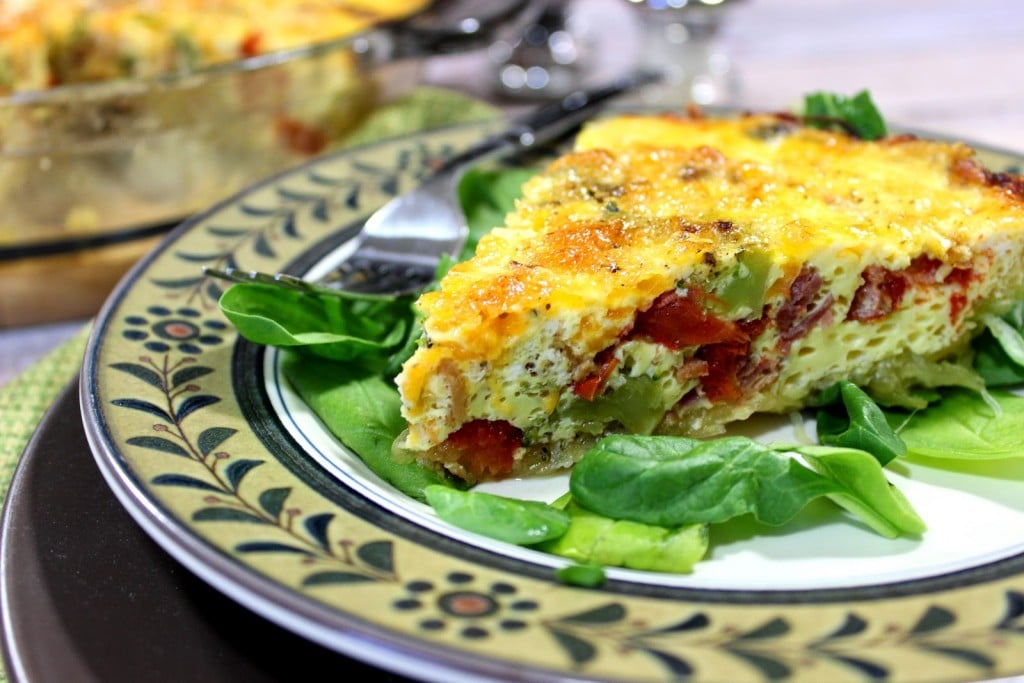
x,y
675,274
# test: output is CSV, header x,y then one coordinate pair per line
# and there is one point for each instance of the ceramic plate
x,y
211,453
67,545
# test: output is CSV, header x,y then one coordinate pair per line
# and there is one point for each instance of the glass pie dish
x,y
91,174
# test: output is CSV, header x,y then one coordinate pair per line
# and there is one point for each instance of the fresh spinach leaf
x,y
486,197
999,351
371,329
381,332
593,539
584,575
673,481
400,354
849,418
994,365
965,426
1008,336
865,491
363,410
857,114
523,522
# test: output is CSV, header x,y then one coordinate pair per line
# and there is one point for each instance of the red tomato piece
x,y
677,322
300,137
957,304
721,383
959,278
593,384
486,448
922,269
250,45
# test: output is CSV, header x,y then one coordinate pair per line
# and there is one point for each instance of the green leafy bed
x,y
642,502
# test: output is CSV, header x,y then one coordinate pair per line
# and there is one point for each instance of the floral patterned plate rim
x,y
179,417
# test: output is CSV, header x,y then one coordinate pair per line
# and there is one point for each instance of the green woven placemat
x,y
25,400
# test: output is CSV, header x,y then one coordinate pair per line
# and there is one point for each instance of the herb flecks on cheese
x,y
674,274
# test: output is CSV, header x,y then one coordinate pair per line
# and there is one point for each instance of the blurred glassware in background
x,y
547,60
680,37
576,44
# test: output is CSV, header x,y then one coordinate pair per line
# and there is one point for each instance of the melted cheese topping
x,y
648,204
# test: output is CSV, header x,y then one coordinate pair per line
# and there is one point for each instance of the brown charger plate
x,y
86,595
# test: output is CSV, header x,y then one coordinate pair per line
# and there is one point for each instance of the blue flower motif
x,y
163,329
474,611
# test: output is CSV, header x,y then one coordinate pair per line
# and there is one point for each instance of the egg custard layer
x,y
673,275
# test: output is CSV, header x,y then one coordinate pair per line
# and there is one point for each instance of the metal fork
x,y
400,245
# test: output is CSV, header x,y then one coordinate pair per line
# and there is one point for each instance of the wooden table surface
x,y
950,66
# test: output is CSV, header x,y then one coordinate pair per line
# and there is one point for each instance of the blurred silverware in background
x,y
572,44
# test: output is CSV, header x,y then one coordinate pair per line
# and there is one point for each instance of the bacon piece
x,y
756,375
880,293
882,290
729,373
692,369
799,314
